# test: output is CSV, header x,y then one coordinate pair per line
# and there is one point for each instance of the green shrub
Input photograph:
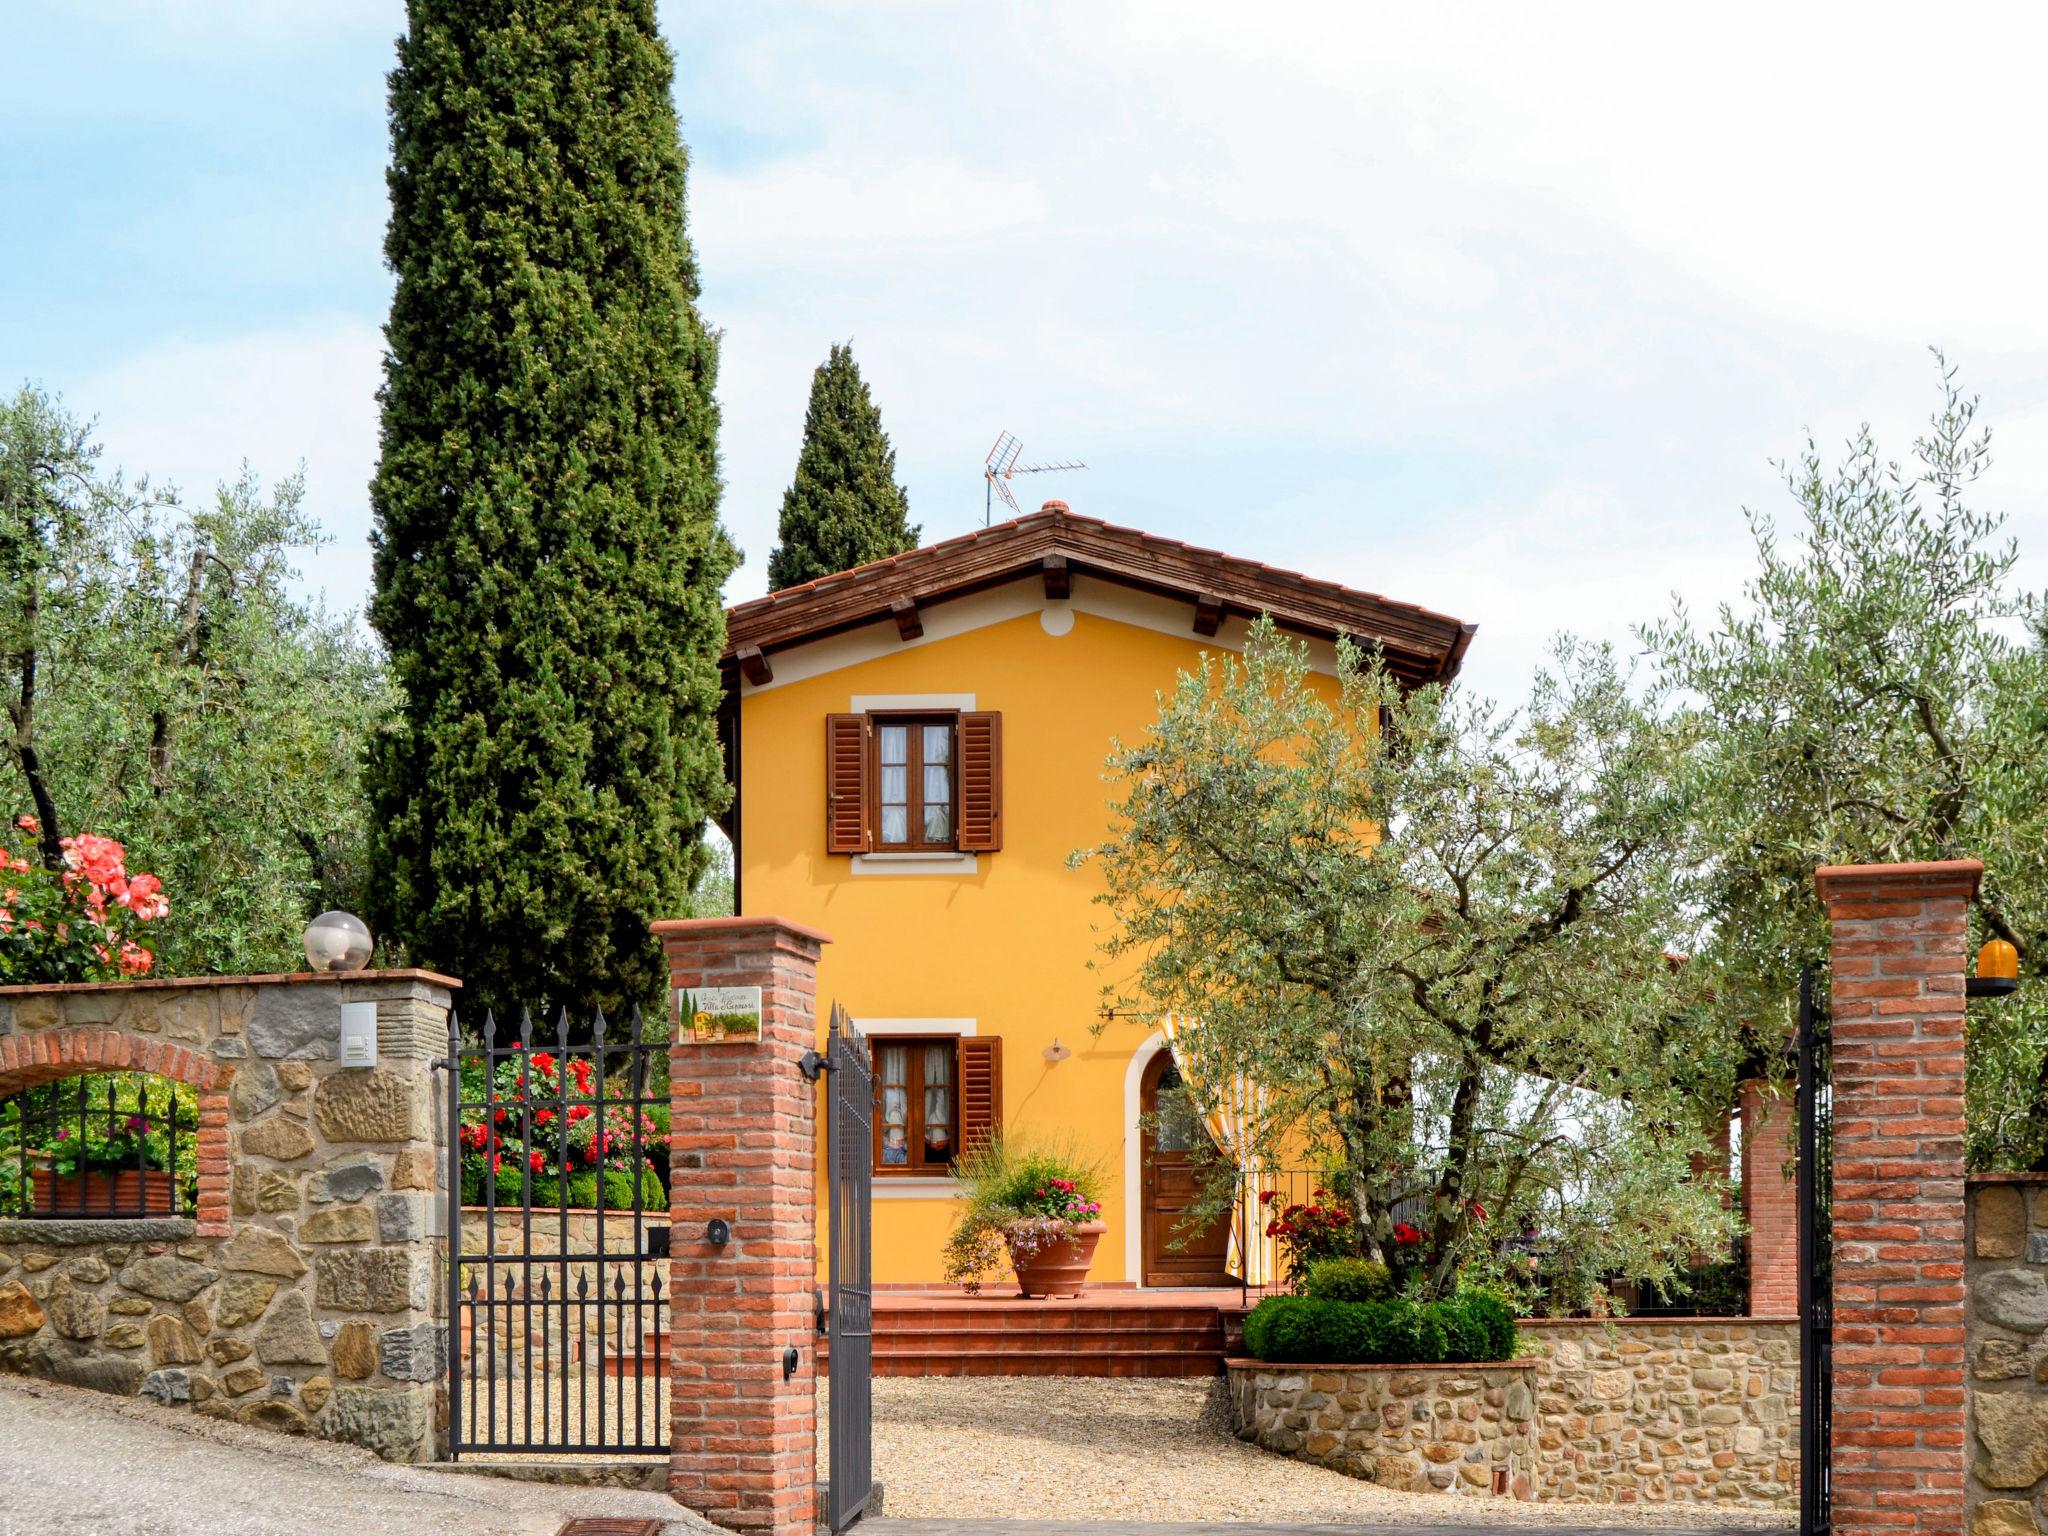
x,y
1348,1280
1309,1330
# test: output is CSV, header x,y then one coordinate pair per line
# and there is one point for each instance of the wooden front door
x,y
1175,1152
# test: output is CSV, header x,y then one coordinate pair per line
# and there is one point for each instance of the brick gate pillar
x,y
1899,935
743,1149
1770,1200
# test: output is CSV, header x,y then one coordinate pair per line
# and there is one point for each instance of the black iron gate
x,y
557,1243
850,1309
1816,1257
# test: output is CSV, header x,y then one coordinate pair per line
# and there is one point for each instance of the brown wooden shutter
x,y
846,784
981,1090
981,782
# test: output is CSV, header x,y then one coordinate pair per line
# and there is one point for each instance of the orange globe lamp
x,y
1998,971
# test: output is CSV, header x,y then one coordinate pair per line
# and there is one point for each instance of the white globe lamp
x,y
337,941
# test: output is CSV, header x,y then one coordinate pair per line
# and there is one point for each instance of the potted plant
x,y
1038,1206
114,1160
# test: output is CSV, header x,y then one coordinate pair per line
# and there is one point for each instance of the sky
x,y
1500,309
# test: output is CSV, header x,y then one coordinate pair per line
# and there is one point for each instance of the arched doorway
x,y
1174,1149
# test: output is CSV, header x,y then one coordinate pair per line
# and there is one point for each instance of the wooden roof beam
x,y
754,666
1208,613
1059,581
909,622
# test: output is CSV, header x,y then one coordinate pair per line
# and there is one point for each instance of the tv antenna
x,y
1000,465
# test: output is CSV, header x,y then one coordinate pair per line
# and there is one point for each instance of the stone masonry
x,y
304,1296
1466,1429
1655,1410
2008,1350
1899,935
1627,1411
743,1148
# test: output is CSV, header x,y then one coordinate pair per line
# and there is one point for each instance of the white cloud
x,y
1503,311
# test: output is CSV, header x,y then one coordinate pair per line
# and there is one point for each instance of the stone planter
x,y
1059,1269
128,1192
1463,1429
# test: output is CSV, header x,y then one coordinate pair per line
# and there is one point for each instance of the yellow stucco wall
x,y
1008,945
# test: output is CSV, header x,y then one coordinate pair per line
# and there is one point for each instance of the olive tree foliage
x,y
1880,694
1440,946
166,687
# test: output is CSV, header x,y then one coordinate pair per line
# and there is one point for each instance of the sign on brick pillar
x,y
743,1151
1899,963
1770,1200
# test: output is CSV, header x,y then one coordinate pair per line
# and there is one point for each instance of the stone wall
x,y
2007,1342
305,1295
1667,1410
1467,1429
1633,1411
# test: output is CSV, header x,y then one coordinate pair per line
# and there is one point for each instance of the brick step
x,y
1209,1337
1091,1320
1055,1363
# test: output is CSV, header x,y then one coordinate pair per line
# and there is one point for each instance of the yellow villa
x,y
917,747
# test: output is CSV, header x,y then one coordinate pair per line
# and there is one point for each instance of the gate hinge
x,y
813,1066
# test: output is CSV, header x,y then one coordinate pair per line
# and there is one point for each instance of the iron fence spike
x,y
597,1029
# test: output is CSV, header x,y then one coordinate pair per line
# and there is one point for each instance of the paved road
x,y
83,1464
887,1527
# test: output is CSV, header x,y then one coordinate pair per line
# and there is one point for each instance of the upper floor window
x,y
914,761
929,782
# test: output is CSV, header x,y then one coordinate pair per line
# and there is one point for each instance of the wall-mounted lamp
x,y
1057,1052
718,1231
1998,971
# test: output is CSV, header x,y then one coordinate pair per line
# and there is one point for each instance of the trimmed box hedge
x,y
1468,1327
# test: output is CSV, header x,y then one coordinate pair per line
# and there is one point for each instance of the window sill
x,y
916,863
81,1231
908,1186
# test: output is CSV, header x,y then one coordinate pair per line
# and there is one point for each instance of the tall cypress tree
x,y
548,552
844,508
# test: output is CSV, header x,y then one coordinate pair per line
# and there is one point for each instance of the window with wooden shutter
x,y
981,1090
981,782
846,784
917,1104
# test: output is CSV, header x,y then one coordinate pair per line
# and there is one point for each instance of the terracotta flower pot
x,y
1058,1269
127,1192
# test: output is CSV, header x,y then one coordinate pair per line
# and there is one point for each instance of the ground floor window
x,y
917,1104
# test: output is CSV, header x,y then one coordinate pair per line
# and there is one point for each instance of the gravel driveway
x,y
84,1464
1086,1448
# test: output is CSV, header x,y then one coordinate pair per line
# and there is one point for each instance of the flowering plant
x,y
1018,1199
1060,1200
1311,1230
544,1122
78,923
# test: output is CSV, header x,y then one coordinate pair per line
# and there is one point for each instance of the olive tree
x,y
1442,937
1880,693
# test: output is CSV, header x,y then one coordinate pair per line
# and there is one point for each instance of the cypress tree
x,y
547,547
844,508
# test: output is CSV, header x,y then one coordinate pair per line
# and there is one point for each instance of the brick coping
x,y
1942,877
686,927
291,978
1975,1180
1237,1364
